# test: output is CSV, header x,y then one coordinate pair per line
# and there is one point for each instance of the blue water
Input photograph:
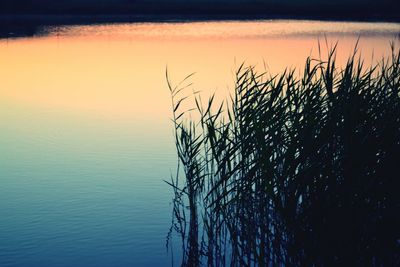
x,y
82,191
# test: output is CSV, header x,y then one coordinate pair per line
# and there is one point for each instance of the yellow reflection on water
x,y
119,70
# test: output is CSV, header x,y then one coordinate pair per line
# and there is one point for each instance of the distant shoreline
x,y
26,25
149,17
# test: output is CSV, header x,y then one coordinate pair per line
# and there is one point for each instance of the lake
x,y
86,138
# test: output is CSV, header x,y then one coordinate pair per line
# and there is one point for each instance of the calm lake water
x,y
85,132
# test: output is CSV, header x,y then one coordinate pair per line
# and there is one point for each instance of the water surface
x,y
85,135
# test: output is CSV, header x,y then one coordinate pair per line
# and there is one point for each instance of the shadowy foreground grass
x,y
293,170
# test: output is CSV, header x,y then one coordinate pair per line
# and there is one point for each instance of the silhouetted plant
x,y
293,171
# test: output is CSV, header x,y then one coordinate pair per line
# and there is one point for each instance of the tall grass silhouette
x,y
293,170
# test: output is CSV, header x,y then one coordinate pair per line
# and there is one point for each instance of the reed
x,y
292,170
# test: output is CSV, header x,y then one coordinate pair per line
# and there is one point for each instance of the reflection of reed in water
x,y
293,170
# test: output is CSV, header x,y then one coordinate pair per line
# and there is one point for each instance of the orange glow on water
x,y
119,70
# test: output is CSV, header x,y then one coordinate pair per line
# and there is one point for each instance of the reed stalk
x,y
293,170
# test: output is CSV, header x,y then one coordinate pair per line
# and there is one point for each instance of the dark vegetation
x,y
293,170
271,7
27,17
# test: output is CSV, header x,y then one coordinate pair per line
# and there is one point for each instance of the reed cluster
x,y
292,170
